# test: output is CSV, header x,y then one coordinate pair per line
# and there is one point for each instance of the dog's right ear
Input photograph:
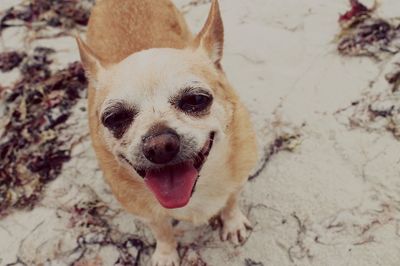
x,y
91,62
211,37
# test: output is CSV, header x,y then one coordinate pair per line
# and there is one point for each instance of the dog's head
x,y
162,112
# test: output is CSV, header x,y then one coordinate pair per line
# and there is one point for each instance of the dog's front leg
x,y
165,253
235,225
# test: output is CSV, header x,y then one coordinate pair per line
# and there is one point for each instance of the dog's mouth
x,y
173,185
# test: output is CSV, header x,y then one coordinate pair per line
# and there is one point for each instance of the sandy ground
x,y
332,199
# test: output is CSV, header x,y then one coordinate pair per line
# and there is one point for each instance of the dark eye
x,y
195,103
118,121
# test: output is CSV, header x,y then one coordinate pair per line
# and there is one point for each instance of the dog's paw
x,y
235,228
165,259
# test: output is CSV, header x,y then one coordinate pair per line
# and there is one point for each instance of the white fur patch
x,y
235,227
160,258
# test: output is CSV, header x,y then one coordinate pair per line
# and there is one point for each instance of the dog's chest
x,y
201,208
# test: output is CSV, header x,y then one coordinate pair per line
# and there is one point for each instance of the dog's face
x,y
161,115
163,111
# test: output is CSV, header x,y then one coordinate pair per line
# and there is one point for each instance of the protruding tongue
x,y
172,185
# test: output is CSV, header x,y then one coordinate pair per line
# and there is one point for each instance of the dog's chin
x,y
173,185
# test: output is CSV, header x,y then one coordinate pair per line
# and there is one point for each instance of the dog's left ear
x,y
92,64
211,37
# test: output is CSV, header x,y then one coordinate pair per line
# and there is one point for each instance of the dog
x,y
170,134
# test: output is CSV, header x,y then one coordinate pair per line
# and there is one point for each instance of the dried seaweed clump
x,y
379,109
364,34
376,113
94,219
32,150
38,14
10,60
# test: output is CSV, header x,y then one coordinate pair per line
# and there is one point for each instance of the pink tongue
x,y
172,185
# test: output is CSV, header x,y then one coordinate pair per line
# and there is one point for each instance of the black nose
x,y
161,147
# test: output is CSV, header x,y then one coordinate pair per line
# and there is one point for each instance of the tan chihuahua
x,y
171,136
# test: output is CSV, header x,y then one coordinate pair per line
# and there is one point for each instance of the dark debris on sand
x,y
32,148
94,218
283,142
393,78
37,106
10,60
364,34
41,13
376,113
250,262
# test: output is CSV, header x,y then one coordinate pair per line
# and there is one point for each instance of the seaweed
x,y
250,262
364,34
38,14
357,10
32,146
94,217
282,142
10,60
38,105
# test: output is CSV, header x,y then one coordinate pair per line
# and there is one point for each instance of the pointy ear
x,y
211,37
91,62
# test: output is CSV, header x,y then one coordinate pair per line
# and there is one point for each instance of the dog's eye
x,y
195,103
117,122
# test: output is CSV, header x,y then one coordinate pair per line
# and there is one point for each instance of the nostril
x,y
169,147
152,152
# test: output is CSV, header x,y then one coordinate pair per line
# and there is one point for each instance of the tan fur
x,y
119,28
